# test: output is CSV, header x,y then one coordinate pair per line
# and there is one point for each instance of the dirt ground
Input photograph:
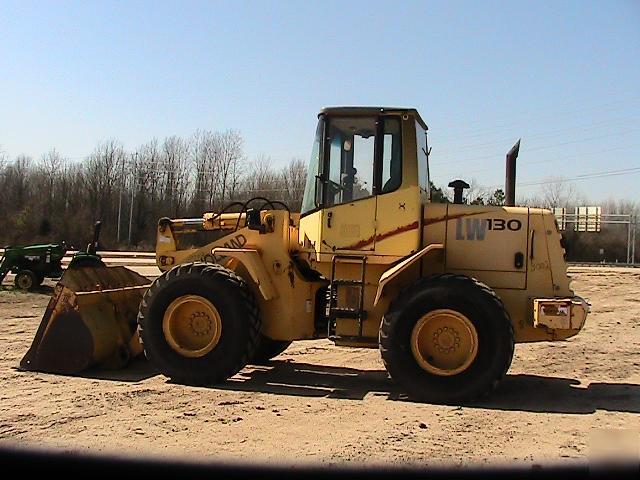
x,y
560,402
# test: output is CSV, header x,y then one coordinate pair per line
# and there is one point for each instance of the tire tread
x,y
214,273
408,294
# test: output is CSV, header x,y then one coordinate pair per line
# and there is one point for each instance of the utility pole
x,y
633,240
630,217
120,201
133,189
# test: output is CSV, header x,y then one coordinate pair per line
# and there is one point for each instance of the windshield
x,y
308,201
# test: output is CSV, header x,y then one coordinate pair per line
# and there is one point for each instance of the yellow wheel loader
x,y
443,290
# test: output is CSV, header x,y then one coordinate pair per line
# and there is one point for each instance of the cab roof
x,y
367,111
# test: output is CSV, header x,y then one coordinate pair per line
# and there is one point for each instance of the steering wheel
x,y
335,185
334,188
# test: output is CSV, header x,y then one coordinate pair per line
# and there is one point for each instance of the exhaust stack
x,y
510,180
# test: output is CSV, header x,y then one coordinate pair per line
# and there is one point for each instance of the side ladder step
x,y
333,311
357,283
338,312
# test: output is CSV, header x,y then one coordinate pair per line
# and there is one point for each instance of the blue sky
x,y
564,76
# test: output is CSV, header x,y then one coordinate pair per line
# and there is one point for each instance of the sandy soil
x,y
321,403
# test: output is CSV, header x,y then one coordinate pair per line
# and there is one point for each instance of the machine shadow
x,y
305,379
517,392
41,289
44,289
137,370
537,393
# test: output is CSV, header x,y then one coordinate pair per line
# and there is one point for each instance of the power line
x,y
544,147
509,123
586,176
546,134
563,158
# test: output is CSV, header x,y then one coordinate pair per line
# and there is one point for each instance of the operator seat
x,y
395,178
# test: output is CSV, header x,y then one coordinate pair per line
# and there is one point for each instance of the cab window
x,y
391,155
351,149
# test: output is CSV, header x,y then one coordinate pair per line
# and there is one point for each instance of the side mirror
x,y
318,190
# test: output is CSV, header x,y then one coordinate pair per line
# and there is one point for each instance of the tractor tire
x,y
447,339
199,323
26,280
267,349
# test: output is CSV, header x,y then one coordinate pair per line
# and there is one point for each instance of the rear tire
x,y
26,280
267,349
477,320
218,291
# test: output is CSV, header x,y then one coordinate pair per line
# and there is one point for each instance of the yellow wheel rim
x,y
192,326
444,342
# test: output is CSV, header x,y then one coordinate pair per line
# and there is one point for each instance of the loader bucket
x,y
90,320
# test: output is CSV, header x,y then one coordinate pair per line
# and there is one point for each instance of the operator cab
x,y
367,181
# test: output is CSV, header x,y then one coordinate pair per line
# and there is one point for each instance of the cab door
x,y
349,216
349,227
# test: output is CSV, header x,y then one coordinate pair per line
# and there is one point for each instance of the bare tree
x,y
530,201
263,180
558,192
230,159
50,166
3,178
293,178
18,193
101,169
3,160
141,181
18,175
476,193
175,160
621,207
207,161
150,170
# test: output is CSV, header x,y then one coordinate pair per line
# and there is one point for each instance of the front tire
x,y
199,323
26,280
447,339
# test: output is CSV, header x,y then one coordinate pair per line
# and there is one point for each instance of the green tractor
x,y
33,263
